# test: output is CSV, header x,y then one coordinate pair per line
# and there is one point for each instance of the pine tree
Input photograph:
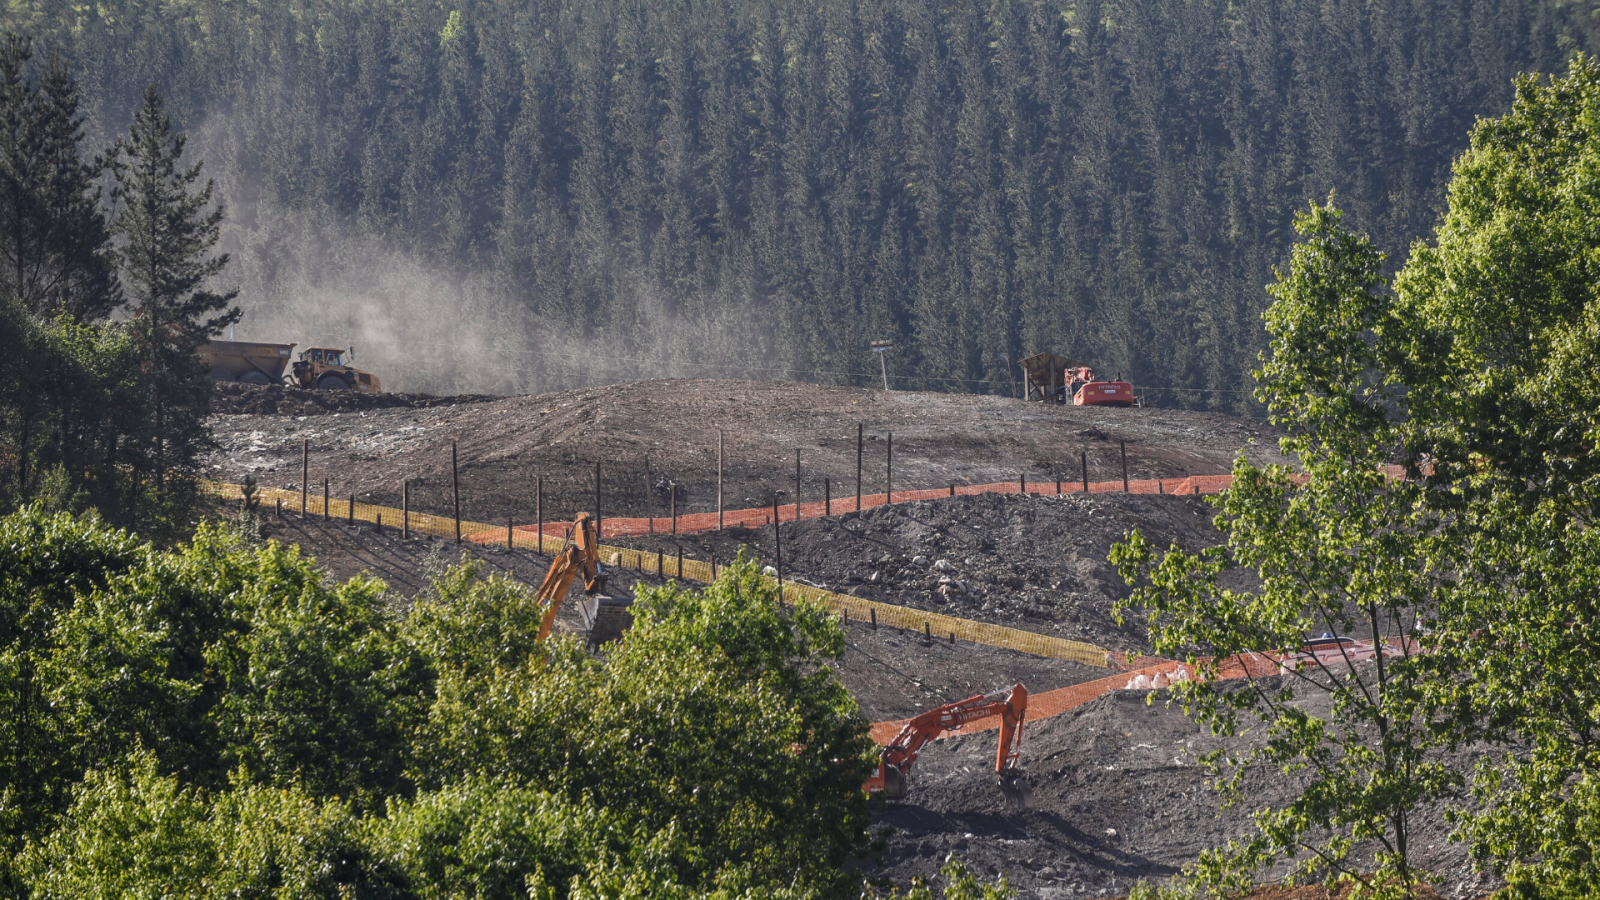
x,y
54,241
167,227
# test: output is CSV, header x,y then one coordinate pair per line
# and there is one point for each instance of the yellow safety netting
x,y
934,625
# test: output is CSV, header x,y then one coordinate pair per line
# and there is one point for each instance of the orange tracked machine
x,y
1011,705
1053,378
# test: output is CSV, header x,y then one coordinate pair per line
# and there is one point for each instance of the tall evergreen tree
x,y
167,227
54,241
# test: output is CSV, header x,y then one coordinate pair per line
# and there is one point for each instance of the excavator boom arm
x,y
1010,705
581,556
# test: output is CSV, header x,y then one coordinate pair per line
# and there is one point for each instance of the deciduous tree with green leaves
x,y
1333,546
1475,372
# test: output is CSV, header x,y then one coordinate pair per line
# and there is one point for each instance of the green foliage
x,y
221,720
1335,547
1503,393
133,833
747,746
1476,374
96,413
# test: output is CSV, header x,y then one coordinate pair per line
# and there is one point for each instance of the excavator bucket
x,y
1019,794
894,783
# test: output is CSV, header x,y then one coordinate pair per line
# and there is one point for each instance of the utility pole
x,y
880,348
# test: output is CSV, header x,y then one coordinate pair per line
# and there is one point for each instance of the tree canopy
x,y
220,719
500,197
1472,371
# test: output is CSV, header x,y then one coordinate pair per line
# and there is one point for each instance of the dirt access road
x,y
366,448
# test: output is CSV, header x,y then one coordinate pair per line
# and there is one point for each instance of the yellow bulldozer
x,y
322,368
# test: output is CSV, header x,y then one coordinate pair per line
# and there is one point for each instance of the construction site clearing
x,y
1116,794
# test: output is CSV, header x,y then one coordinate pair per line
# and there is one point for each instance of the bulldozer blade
x,y
1018,792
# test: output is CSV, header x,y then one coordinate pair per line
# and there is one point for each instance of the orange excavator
x,y
1087,390
580,556
1011,705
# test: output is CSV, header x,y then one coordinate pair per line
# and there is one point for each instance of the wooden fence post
x,y
455,489
777,545
1083,459
405,509
538,508
305,472
324,499
673,500
508,534
719,480
827,497
649,495
888,493
597,520
797,484
859,451
350,514
1124,465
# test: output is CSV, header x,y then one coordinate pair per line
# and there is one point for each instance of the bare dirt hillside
x,y
672,425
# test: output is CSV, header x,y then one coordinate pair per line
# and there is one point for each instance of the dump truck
x,y
252,362
246,361
324,368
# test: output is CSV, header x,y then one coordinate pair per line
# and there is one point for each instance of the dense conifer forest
x,y
510,196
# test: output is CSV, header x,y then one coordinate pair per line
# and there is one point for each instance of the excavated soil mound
x,y
231,398
1036,562
668,430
